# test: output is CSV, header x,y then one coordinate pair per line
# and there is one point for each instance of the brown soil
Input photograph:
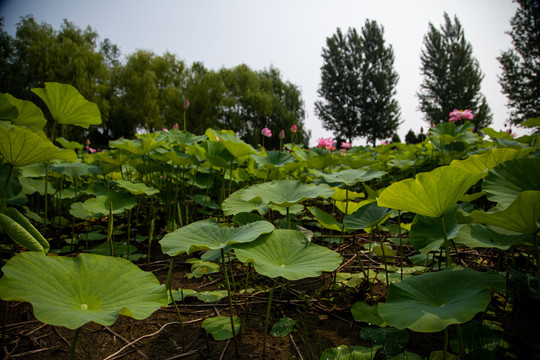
x,y
321,311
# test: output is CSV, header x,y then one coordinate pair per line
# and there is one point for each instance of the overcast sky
x,y
287,34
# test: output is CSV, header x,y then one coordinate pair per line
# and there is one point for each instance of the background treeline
x,y
145,90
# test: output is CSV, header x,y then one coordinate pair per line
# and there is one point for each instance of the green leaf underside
x,y
209,235
422,304
220,327
71,292
288,254
430,194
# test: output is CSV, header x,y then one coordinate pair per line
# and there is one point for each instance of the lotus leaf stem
x,y
6,185
169,287
229,297
267,318
74,344
446,245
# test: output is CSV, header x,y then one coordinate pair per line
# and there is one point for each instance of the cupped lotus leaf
x,y
176,155
137,189
220,327
366,217
18,234
489,159
283,327
508,179
323,161
210,235
237,147
427,234
23,221
235,204
68,106
76,169
348,352
486,236
344,195
364,312
285,192
293,209
217,154
66,144
287,253
273,159
431,194
350,177
326,220
137,147
430,302
21,112
100,205
21,147
71,292
180,137
521,216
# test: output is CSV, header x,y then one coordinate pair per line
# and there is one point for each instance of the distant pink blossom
x,y
175,126
294,128
165,129
509,131
384,142
326,143
461,114
282,134
87,141
186,104
90,150
345,145
218,139
266,132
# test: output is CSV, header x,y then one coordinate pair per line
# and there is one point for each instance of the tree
x,y
520,78
358,85
452,76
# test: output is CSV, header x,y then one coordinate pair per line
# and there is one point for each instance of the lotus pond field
x,y
200,246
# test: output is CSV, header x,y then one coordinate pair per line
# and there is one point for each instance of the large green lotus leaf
x,y
323,161
287,253
273,159
431,194
285,192
521,215
366,217
180,137
489,159
100,205
218,155
508,179
430,302
208,234
75,169
71,292
220,327
326,220
138,147
349,177
21,147
427,234
238,148
66,144
485,236
21,112
176,155
236,204
68,106
137,189
364,312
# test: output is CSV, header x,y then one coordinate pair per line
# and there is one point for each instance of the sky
x,y
288,35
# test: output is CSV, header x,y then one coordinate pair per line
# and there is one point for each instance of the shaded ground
x,y
320,309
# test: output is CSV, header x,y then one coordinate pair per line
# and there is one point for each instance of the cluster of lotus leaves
x,y
71,292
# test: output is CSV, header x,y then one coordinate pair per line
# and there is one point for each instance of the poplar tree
x,y
520,78
452,76
358,85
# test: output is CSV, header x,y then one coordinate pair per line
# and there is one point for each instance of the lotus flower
x,y
345,145
186,104
294,128
326,143
266,132
282,134
461,114
175,126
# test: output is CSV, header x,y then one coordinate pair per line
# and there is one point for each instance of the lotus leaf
x,y
283,327
366,217
489,159
138,147
208,234
237,147
236,204
273,159
71,292
487,236
422,304
180,137
326,220
363,312
75,169
100,205
426,232
220,327
348,352
21,112
285,192
350,177
21,147
392,340
68,144
68,106
218,155
137,189
431,194
521,215
508,179
287,253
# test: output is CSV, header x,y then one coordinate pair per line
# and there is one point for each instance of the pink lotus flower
x,y
384,142
186,104
294,128
91,150
87,141
461,114
175,126
509,131
282,134
345,145
326,143
266,132
165,129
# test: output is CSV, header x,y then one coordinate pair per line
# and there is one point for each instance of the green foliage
x,y
452,76
358,85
